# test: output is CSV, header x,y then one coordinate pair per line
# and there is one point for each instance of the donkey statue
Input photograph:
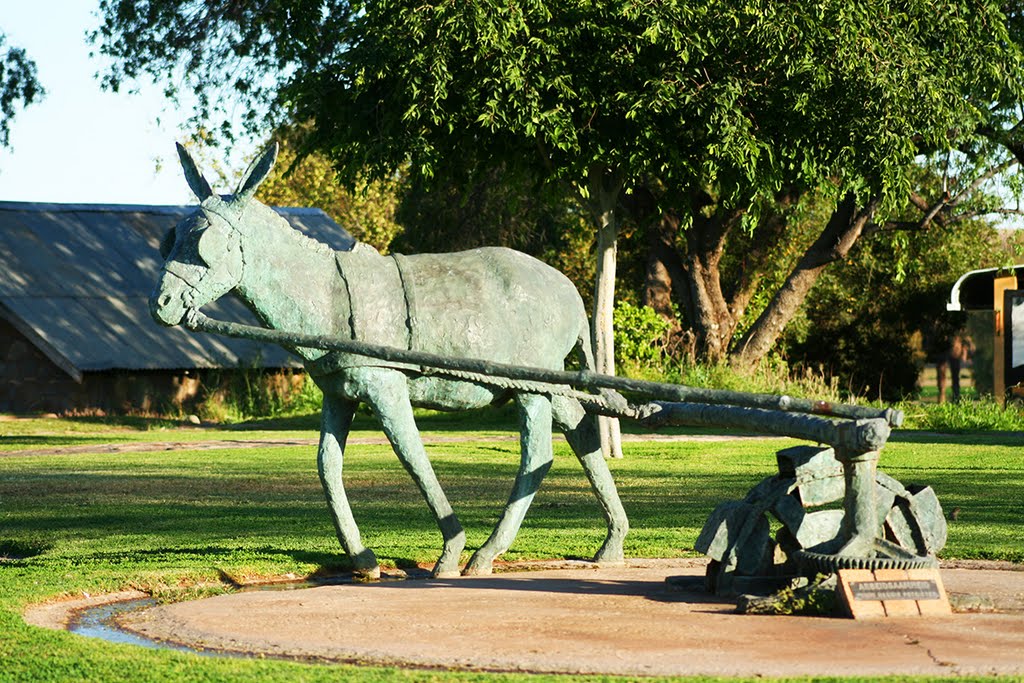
x,y
492,304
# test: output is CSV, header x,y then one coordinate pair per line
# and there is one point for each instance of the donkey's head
x,y
204,253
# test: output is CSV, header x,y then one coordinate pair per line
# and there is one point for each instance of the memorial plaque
x,y
882,593
895,590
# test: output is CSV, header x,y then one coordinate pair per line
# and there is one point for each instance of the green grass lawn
x,y
167,520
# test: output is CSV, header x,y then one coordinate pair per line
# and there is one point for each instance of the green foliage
x,y
250,393
640,334
732,94
19,86
367,211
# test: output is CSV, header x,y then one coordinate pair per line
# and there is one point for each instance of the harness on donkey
x,y
382,294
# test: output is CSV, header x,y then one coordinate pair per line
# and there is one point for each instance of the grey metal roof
x,y
75,279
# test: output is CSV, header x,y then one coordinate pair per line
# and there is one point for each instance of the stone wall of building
x,y
31,383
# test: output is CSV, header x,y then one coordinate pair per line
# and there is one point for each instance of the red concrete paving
x,y
623,620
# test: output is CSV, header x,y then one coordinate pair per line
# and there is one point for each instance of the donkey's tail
x,y
584,346
585,350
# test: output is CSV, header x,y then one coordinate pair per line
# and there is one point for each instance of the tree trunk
x,y
708,311
604,195
834,243
665,284
658,280
665,281
765,241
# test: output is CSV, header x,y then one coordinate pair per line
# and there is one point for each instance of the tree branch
x,y
844,228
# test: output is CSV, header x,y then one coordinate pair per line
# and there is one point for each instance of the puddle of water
x,y
101,621
98,622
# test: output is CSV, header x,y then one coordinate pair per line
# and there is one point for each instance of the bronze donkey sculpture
x,y
493,304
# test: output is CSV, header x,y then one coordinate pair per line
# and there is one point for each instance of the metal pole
x,y
582,379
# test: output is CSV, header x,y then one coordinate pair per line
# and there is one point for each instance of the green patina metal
x,y
882,524
494,304
475,328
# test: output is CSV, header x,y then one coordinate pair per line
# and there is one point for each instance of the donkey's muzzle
x,y
166,309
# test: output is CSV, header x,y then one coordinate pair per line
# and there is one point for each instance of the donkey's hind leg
x,y
388,395
582,432
535,461
336,420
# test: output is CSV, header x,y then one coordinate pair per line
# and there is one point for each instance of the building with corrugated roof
x,y
75,328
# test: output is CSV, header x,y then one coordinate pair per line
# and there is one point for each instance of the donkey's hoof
x,y
365,566
445,574
478,568
367,573
610,556
477,571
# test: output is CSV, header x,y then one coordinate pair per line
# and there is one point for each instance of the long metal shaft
x,y
581,379
856,436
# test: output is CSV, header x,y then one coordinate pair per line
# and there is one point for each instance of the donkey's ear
x,y
257,172
195,179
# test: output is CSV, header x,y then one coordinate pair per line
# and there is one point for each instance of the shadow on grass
x,y
21,550
993,438
504,418
495,418
140,423
329,565
326,561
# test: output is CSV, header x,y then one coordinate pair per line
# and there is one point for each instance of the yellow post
x,y
1000,285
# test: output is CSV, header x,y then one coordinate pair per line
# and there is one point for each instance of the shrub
x,y
257,393
640,334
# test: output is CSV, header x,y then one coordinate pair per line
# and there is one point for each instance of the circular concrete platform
x,y
625,621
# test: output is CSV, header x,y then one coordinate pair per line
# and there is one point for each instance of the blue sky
x,y
81,144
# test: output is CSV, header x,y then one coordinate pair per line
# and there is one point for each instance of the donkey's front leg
x,y
535,461
336,421
388,394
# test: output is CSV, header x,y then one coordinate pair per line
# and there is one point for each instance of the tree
x,y
714,122
367,211
19,86
843,99
873,319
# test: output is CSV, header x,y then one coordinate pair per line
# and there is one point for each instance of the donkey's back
x,y
492,303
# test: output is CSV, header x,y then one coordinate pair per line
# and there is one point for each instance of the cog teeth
x,y
830,564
